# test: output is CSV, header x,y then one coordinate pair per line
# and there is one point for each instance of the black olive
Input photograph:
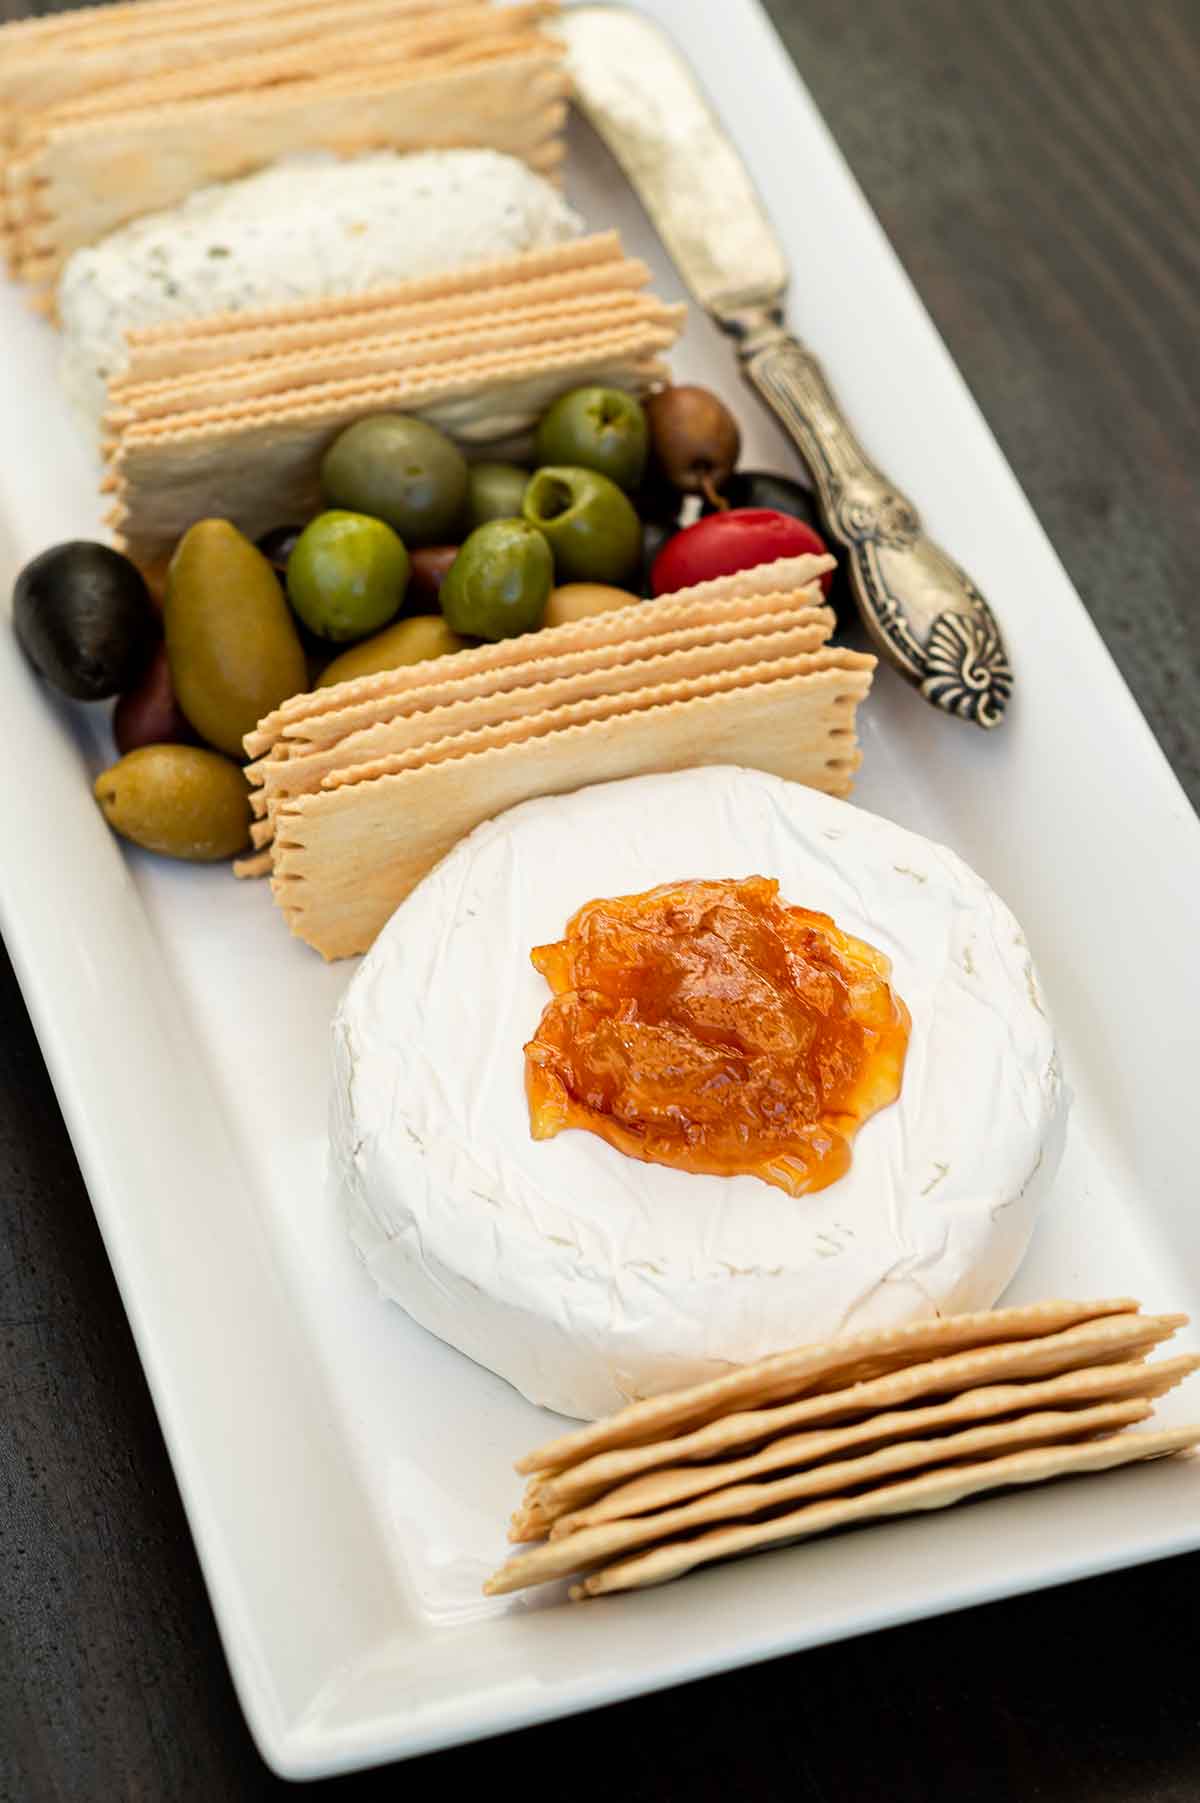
x,y
657,500
85,620
759,488
654,537
276,546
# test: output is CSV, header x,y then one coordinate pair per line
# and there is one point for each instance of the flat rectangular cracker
x,y
259,463
186,352
933,1490
787,1376
345,858
536,685
310,718
589,1546
1079,1390
281,375
1061,1358
92,177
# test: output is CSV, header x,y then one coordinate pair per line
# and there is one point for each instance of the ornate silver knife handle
x,y
922,611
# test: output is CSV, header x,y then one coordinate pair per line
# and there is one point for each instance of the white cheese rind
x,y
307,226
587,1278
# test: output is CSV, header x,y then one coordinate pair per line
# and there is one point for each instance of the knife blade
x,y
921,610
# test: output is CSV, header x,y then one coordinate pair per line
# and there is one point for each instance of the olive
x,y
400,470
277,546
149,714
494,492
346,575
580,600
409,641
654,537
596,429
180,800
657,501
590,524
695,437
84,618
500,582
426,576
232,646
760,488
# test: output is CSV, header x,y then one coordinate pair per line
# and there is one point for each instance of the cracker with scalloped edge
x,y
1070,1392
836,1478
321,716
186,352
259,462
1092,1360
87,178
359,355
819,1368
935,1488
533,686
345,857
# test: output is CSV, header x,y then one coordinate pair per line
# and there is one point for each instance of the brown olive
x,y
695,438
149,714
427,572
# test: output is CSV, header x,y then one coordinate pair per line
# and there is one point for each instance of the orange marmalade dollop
x,y
710,1027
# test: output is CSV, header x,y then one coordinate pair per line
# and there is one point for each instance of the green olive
x,y
494,492
346,575
232,646
409,641
590,525
400,470
499,583
179,800
580,600
596,428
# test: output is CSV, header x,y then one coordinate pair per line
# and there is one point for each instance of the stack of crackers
x,y
884,1424
361,788
111,112
230,415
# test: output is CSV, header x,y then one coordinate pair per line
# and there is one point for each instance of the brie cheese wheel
x,y
588,1278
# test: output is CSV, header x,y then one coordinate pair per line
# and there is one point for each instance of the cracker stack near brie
x,y
363,787
230,414
829,1436
108,114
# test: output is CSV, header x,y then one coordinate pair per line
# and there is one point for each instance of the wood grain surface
x,y
1035,163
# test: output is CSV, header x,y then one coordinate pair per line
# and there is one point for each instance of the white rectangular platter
x,y
347,1478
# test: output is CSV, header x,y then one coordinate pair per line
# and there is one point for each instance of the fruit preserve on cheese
x,y
709,1026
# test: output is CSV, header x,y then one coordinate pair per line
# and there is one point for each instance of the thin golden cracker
x,y
1081,1391
412,351
932,1490
747,594
591,1546
1044,1369
186,351
533,687
510,728
101,22
345,858
786,1376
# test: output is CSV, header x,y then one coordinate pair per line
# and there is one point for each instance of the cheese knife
x,y
921,610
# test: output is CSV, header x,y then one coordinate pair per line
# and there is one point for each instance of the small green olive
x,y
596,428
401,470
179,800
590,524
346,575
409,641
494,492
499,583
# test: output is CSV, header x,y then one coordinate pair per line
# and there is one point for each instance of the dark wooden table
x,y
1035,162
